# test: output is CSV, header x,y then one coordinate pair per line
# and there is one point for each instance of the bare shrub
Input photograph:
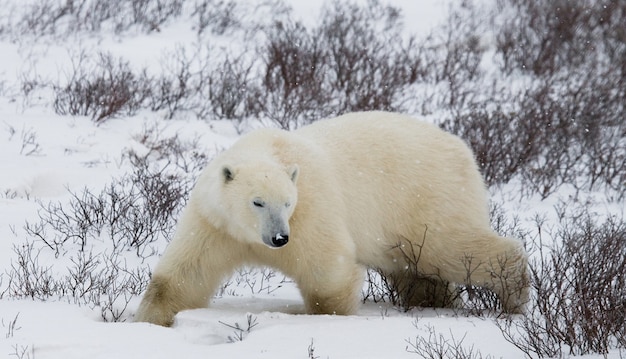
x,y
502,141
30,144
259,280
581,116
129,217
133,212
27,278
575,94
175,88
108,89
231,90
369,62
543,37
210,86
43,17
183,155
410,287
101,280
450,58
565,125
126,219
565,129
379,289
580,284
23,351
435,345
355,60
218,16
293,76
151,14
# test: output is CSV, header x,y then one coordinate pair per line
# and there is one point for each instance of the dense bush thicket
x,y
565,124
355,60
542,101
43,17
536,88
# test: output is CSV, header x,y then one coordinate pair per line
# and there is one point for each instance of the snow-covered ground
x,y
44,156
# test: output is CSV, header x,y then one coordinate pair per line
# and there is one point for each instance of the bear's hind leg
x,y
497,263
509,276
416,290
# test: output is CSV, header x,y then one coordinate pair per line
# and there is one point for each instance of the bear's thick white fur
x,y
370,189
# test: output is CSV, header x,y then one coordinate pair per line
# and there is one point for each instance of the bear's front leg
x,y
160,303
333,291
183,282
191,269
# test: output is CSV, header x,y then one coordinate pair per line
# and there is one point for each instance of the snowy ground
x,y
42,155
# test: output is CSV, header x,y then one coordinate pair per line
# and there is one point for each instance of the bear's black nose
x,y
280,240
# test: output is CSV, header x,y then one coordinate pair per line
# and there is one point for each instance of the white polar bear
x,y
321,203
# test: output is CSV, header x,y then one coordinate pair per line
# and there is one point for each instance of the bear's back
x,y
388,166
383,142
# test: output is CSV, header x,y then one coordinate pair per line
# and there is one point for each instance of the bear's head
x,y
254,201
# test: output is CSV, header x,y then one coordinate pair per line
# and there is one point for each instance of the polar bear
x,y
322,203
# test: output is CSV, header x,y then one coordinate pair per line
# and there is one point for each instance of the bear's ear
x,y
228,174
293,172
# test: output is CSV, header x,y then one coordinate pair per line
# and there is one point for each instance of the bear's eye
x,y
258,203
287,204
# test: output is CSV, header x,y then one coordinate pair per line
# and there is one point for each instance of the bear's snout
x,y
280,239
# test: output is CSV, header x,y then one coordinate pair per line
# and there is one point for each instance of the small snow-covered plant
x,y
23,351
241,331
11,326
30,145
311,351
255,280
181,156
259,280
19,351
